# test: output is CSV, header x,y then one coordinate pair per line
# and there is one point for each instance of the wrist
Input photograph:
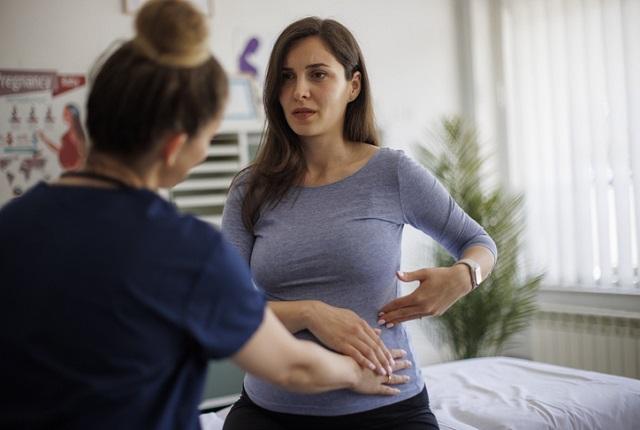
x,y
475,271
355,372
462,277
310,313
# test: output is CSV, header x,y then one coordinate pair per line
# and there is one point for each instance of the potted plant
x,y
481,322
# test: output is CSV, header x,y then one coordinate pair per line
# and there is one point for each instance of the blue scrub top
x,y
111,304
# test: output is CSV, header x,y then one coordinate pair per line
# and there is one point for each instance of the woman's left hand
x,y
440,287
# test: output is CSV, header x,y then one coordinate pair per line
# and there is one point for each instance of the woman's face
x,y
315,93
67,115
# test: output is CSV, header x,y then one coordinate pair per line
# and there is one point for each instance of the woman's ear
x,y
172,146
356,85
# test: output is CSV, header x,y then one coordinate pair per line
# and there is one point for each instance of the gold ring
x,y
389,378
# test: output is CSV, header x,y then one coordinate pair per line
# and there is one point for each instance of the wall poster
x,y
41,127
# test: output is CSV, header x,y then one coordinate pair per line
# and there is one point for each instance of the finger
x,y
386,390
359,358
411,318
400,302
398,353
417,275
402,364
381,351
397,379
368,352
390,355
378,332
401,315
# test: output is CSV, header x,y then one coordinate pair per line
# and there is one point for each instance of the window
x,y
572,87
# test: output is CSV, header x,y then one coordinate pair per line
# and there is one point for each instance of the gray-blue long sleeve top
x,y
340,243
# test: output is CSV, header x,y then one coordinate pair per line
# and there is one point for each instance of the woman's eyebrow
x,y
313,66
310,66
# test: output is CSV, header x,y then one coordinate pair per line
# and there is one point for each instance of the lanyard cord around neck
x,y
97,176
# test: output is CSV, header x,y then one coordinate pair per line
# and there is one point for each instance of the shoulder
x,y
164,227
409,173
241,181
387,155
392,160
193,233
404,163
243,177
26,204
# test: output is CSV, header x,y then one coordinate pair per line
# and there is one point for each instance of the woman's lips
x,y
302,114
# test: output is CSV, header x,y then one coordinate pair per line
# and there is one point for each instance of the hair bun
x,y
172,33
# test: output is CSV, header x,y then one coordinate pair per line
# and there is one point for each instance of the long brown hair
x,y
280,162
76,122
163,80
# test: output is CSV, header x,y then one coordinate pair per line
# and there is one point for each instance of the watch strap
x,y
474,271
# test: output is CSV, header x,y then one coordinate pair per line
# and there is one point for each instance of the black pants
x,y
410,414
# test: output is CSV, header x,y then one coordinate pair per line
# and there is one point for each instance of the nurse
x,y
112,302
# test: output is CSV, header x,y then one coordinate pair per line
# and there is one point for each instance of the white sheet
x,y
506,393
497,393
211,421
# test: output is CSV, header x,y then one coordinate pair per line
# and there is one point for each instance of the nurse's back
x,y
99,309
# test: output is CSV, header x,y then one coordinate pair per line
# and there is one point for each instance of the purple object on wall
x,y
251,47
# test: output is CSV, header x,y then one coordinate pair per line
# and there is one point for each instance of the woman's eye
x,y
287,76
318,75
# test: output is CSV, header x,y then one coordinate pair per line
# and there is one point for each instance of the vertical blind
x,y
572,94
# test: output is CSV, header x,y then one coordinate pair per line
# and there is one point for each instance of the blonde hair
x,y
172,33
163,80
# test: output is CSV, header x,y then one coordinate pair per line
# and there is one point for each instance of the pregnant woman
x,y
319,217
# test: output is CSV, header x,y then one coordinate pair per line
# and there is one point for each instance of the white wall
x,y
66,35
410,46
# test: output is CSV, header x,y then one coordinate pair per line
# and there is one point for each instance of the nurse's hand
x,y
345,332
440,287
373,383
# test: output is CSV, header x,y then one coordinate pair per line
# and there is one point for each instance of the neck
x,y
321,154
110,166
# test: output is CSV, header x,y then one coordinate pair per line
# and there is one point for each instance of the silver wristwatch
x,y
475,271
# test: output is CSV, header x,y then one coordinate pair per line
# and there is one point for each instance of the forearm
x,y
273,354
318,370
49,143
295,315
338,329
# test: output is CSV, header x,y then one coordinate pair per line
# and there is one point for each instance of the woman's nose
x,y
301,90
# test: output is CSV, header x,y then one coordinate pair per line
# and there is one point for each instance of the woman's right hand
x,y
372,383
345,332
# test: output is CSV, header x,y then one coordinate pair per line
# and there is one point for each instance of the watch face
x,y
478,274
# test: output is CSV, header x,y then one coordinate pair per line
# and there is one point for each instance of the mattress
x,y
507,393
497,393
